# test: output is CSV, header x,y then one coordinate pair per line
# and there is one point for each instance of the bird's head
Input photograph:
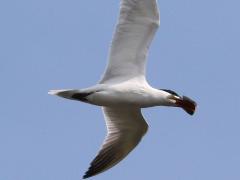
x,y
184,102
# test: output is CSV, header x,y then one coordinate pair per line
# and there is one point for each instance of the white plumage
x,y
137,24
123,89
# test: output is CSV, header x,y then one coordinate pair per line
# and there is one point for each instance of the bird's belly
x,y
116,98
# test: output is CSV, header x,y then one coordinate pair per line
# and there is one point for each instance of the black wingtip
x,y
88,174
85,176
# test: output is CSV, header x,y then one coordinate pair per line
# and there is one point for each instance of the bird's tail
x,y
73,94
65,93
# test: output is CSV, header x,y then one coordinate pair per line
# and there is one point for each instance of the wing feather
x,y
137,24
125,127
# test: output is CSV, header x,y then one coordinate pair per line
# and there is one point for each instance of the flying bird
x,y
123,89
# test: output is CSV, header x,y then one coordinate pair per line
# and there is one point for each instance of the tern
x,y
123,89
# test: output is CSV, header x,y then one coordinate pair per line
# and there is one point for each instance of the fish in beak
x,y
185,103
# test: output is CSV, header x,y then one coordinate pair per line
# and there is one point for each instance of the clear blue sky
x,y
54,44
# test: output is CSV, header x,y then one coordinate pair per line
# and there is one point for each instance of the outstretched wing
x,y
125,127
137,24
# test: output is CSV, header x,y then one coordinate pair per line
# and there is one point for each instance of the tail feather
x,y
65,93
72,94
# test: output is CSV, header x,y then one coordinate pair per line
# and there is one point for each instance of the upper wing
x,y
137,24
125,127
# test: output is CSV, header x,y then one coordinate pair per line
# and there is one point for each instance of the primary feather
x,y
137,24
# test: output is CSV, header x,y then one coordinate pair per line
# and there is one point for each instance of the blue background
x,y
56,44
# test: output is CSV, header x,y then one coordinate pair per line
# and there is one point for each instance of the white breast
x,y
129,93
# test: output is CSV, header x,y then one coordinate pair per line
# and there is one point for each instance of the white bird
x,y
123,89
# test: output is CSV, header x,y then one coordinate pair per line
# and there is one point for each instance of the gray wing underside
x,y
137,24
125,129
